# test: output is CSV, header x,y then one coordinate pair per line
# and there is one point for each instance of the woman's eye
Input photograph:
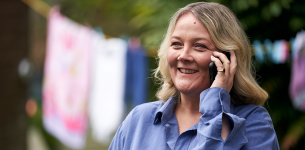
x,y
176,44
200,46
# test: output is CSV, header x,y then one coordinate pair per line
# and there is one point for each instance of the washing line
x,y
43,9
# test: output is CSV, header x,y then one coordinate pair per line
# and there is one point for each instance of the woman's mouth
x,y
187,71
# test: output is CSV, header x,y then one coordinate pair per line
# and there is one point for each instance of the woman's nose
x,y
186,55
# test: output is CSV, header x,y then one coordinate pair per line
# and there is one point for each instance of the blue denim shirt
x,y
153,126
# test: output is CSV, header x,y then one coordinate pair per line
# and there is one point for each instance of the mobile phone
x,y
213,68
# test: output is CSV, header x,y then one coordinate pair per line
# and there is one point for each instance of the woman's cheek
x,y
172,55
205,60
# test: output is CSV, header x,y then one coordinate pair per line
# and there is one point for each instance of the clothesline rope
x,y
43,9
39,6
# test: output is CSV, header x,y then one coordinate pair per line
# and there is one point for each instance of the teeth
x,y
188,71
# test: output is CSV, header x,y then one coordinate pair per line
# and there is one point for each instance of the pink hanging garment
x,y
297,84
66,80
285,51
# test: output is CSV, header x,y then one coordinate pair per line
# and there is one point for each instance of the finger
x,y
217,62
225,61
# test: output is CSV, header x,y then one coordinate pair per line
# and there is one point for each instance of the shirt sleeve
x,y
214,102
118,140
260,132
252,130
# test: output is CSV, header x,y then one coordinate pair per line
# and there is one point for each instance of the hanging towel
x,y
136,76
297,83
66,80
285,51
106,105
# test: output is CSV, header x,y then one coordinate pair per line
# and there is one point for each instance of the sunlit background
x,y
102,54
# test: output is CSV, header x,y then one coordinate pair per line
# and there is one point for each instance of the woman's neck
x,y
189,104
187,112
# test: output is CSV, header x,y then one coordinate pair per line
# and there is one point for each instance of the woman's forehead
x,y
189,24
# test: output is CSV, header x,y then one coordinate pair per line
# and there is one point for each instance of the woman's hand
x,y
224,79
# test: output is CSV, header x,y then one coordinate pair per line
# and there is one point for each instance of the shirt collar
x,y
166,111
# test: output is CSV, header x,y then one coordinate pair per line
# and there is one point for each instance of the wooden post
x,y
13,93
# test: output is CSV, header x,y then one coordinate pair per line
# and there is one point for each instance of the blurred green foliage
x,y
261,19
273,19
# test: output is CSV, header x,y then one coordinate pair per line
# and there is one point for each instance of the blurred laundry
x,y
280,52
268,46
297,84
85,75
136,75
66,80
276,52
106,105
259,53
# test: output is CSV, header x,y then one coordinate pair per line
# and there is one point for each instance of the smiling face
x,y
189,56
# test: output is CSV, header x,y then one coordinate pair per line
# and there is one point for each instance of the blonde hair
x,y
227,35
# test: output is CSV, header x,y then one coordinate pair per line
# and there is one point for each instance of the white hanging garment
x,y
106,105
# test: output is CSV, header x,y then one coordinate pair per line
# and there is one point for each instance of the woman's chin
x,y
191,88
186,89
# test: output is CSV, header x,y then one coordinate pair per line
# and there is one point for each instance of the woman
x,y
193,114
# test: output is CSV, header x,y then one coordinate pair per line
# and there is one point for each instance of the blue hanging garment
x,y
276,55
259,53
269,48
297,83
136,75
277,52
